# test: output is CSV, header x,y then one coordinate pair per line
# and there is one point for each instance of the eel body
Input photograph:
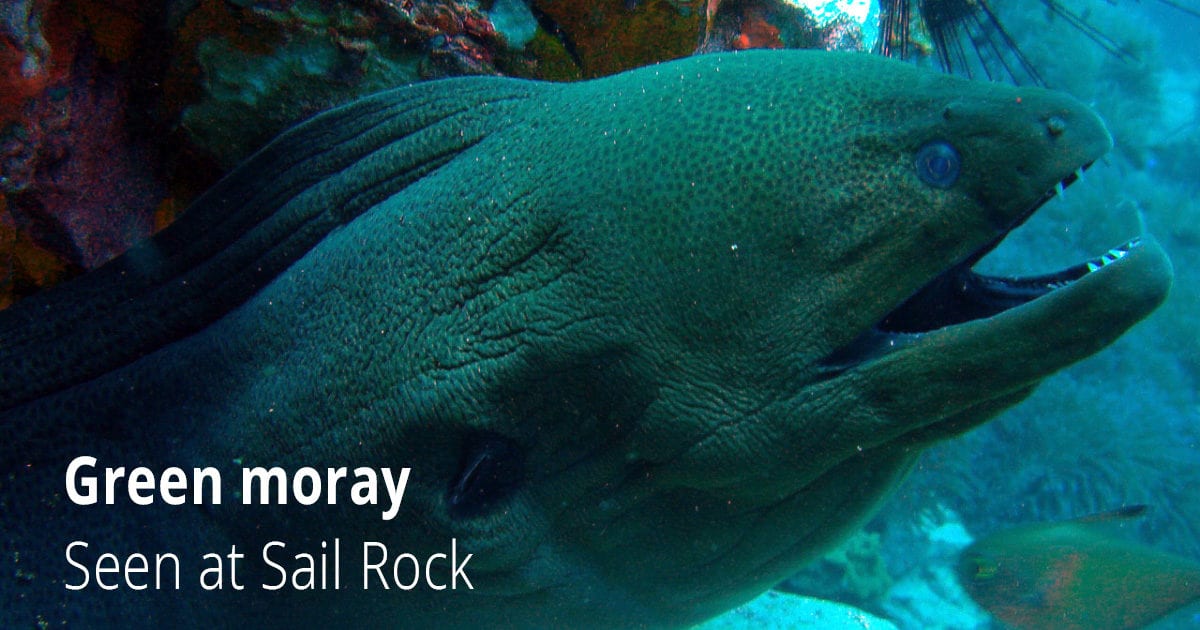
x,y
648,343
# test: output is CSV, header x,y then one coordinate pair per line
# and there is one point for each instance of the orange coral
x,y
756,32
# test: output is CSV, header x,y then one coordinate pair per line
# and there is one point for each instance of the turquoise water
x,y
1120,428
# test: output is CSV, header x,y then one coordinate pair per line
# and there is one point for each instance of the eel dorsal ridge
x,y
262,217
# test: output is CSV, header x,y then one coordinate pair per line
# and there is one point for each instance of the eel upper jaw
x,y
959,295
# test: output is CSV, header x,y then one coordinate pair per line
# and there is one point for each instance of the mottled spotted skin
x,y
624,290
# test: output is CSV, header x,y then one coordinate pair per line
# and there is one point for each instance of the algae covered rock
x,y
272,68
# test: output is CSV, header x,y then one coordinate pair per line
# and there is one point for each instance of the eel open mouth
x,y
960,295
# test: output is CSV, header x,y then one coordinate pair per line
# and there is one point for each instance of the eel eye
x,y
490,470
938,164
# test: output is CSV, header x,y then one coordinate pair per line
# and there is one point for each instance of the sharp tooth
x,y
1079,173
1092,267
1058,189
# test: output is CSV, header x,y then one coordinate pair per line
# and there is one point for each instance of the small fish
x,y
1076,574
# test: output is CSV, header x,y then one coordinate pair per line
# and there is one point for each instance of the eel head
x,y
803,227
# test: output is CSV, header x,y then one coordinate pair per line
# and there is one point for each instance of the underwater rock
x,y
933,600
70,162
744,24
266,67
775,610
928,594
75,188
24,55
854,573
614,35
213,80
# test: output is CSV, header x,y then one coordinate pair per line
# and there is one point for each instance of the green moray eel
x,y
648,343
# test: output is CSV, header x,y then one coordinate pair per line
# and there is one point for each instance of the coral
x,y
545,57
861,16
71,160
608,36
183,91
756,32
865,574
240,75
854,573
742,24
77,189
266,68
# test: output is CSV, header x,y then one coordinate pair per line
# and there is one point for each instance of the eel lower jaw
x,y
961,298
960,294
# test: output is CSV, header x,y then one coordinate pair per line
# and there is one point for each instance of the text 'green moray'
x,y
646,342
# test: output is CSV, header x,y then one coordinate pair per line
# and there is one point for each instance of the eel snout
x,y
959,295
